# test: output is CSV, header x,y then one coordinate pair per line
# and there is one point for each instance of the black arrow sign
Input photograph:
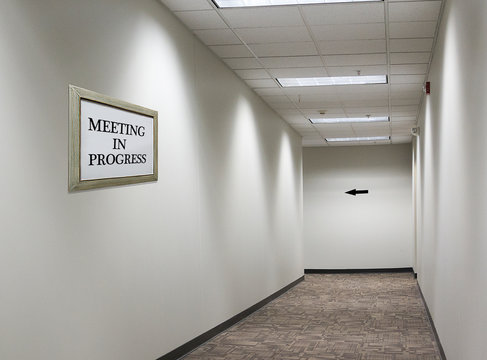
x,y
354,192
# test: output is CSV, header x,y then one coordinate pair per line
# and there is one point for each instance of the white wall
x,y
452,199
374,230
132,272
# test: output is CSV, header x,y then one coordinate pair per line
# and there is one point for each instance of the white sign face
x,y
114,142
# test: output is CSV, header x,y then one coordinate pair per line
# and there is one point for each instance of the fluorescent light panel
x,y
246,3
368,119
333,80
372,138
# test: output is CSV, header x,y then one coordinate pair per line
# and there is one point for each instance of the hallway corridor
x,y
336,316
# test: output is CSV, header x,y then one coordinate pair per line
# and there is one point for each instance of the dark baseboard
x,y
357,271
201,339
440,347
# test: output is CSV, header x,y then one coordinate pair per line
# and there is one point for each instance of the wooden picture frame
x,y
100,130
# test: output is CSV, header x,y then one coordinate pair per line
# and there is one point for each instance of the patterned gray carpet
x,y
338,316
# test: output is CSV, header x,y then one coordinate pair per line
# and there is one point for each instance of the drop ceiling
x,y
390,37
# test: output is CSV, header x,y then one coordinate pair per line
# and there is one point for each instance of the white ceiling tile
x,y
363,96
229,51
405,101
349,32
198,20
411,69
284,105
414,11
274,34
404,113
263,83
410,58
371,126
298,72
422,29
403,109
263,16
242,63
399,94
317,98
352,70
253,74
336,133
344,13
357,103
347,60
318,105
284,49
351,38
352,90
313,113
290,112
410,45
403,124
333,110
406,88
403,118
291,61
184,5
218,37
367,110
407,79
352,47
270,91
336,128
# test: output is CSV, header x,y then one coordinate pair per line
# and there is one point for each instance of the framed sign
x,y
111,142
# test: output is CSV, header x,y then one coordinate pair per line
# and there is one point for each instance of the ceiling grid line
x,y
388,48
308,27
393,38
256,57
236,34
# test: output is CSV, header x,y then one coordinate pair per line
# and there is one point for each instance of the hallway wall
x,y
452,169
132,272
342,231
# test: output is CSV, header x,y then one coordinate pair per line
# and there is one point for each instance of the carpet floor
x,y
333,316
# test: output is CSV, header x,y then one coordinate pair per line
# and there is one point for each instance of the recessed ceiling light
x,y
367,119
333,80
372,138
245,3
